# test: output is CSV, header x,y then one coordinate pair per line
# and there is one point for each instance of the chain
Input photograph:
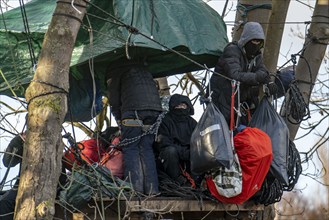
x,y
153,129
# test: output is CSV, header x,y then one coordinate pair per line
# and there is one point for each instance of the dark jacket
x,y
234,64
176,127
14,152
131,88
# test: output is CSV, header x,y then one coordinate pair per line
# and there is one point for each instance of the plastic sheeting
x,y
190,27
268,120
211,146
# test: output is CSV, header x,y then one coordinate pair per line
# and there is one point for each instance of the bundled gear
x,y
283,80
254,150
90,151
112,159
268,120
294,167
86,183
271,191
226,183
211,146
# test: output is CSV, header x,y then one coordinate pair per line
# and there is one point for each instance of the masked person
x,y
135,104
241,61
12,157
173,139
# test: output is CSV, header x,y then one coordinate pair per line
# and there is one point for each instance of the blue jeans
x,y
138,156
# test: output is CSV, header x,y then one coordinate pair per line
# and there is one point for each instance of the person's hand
x,y
262,77
271,89
183,152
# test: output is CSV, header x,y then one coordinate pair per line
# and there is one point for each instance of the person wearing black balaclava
x,y
172,144
11,158
241,61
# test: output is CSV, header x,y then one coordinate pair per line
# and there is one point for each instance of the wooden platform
x,y
165,208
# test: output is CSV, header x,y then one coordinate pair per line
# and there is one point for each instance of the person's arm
x,y
164,137
13,152
231,62
262,74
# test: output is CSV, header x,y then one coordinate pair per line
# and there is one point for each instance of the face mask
x,y
252,49
181,112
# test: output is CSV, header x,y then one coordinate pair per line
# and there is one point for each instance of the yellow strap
x,y
10,88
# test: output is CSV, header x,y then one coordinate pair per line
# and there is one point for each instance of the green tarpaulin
x,y
190,27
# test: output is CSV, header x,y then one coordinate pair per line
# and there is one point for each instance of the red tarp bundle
x,y
254,149
90,151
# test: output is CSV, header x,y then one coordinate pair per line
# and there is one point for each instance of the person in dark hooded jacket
x,y
11,158
136,105
173,140
241,61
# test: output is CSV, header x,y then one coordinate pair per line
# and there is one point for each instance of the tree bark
x,y
309,63
47,107
274,34
258,14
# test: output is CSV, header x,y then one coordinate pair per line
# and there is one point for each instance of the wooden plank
x,y
184,205
167,208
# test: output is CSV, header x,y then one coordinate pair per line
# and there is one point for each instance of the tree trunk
x,y
47,98
310,61
260,13
274,34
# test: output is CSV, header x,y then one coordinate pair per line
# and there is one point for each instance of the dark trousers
x,y
138,156
171,163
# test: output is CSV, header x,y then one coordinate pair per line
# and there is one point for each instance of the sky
x,y
298,12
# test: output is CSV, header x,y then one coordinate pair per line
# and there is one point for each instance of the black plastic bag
x,y
268,120
210,142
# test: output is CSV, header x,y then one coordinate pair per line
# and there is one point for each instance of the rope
x,y
297,109
243,9
28,34
134,30
294,167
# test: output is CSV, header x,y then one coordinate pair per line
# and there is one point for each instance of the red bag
x,y
90,151
254,149
113,159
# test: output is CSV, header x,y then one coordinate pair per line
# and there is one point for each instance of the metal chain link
x,y
153,129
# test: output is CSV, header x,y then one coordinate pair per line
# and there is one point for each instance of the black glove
x,y
262,77
271,89
184,153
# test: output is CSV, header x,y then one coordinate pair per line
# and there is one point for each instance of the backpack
x,y
254,150
226,182
89,151
113,159
268,120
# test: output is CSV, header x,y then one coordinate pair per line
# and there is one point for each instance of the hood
x,y
176,99
251,30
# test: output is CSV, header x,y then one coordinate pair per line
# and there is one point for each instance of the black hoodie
x,y
176,127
